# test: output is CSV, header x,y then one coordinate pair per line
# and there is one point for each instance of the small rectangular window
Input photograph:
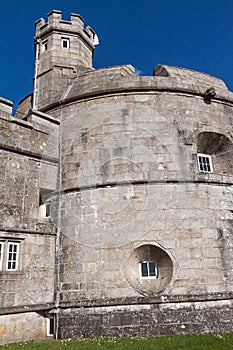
x,y
1,254
12,256
50,327
44,203
65,43
204,163
44,46
148,269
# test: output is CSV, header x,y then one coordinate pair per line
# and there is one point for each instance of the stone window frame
x,y
149,274
204,162
9,260
63,41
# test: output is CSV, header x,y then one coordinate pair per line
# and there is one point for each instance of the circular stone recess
x,y
148,269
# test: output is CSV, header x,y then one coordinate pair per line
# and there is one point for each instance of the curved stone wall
x,y
131,182
130,176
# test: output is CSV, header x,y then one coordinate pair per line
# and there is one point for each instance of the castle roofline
x,y
56,23
122,79
188,75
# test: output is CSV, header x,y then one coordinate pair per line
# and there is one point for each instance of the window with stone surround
x,y
9,254
65,43
148,269
215,152
204,163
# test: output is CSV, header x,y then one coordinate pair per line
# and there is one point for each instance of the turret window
x,y
204,163
65,43
45,45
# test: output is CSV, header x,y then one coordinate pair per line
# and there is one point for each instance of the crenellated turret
x,y
62,50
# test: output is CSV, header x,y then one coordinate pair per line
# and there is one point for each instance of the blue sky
x,y
192,34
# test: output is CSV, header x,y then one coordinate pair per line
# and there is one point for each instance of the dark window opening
x,y
65,43
50,327
44,203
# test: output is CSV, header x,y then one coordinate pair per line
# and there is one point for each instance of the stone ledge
x,y
26,308
161,299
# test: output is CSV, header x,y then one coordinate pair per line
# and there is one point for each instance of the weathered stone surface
x,y
102,178
145,320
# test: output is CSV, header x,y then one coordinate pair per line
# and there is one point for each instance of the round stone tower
x,y
144,203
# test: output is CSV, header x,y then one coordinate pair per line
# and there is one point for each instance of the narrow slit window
x,y
148,269
204,163
12,256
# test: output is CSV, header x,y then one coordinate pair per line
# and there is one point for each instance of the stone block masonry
x,y
116,198
147,320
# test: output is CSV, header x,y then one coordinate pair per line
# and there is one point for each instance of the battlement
x,y
5,107
61,47
188,76
55,22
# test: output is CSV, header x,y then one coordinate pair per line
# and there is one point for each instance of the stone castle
x,y
116,198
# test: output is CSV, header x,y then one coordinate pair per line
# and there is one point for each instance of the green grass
x,y
189,342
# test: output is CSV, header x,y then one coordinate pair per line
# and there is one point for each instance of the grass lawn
x,y
189,342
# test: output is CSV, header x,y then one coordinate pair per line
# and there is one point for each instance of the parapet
x,y
188,76
55,22
6,107
166,78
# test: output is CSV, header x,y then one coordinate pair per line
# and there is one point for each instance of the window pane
x,y
12,256
144,269
204,163
152,269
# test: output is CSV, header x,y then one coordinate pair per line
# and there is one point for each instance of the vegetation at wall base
x,y
181,342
